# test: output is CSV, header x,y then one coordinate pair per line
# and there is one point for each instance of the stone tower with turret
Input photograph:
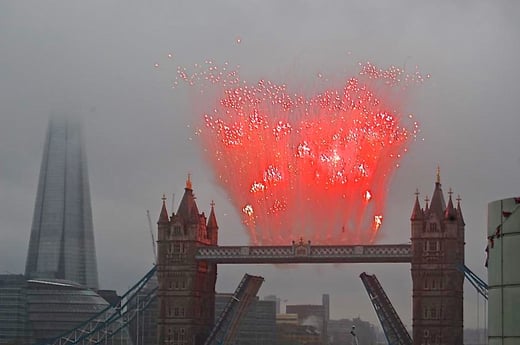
x,y
186,286
437,252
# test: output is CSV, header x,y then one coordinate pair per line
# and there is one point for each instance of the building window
x,y
177,230
182,335
433,227
432,246
433,313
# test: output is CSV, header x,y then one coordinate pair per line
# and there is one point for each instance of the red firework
x,y
314,168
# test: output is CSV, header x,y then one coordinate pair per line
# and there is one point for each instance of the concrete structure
x,y
437,250
503,272
258,327
62,239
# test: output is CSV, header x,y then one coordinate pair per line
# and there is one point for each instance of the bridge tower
x,y
437,251
186,291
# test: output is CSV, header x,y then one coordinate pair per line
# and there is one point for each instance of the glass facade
x,y
56,306
34,311
14,323
258,327
62,238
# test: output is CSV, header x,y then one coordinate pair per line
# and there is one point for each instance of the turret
x,y
450,213
212,226
417,217
460,218
437,284
163,224
188,210
417,212
163,216
437,203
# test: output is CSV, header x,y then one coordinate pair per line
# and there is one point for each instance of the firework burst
x,y
314,167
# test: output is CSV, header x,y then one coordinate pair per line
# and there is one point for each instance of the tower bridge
x,y
188,255
306,253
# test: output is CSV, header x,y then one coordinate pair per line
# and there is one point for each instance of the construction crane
x,y
153,237
393,327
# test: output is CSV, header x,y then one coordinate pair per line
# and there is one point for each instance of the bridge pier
x,y
437,251
186,290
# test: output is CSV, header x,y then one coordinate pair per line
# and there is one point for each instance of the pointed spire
x,y
188,209
437,203
212,226
450,212
459,211
426,206
212,220
163,217
417,213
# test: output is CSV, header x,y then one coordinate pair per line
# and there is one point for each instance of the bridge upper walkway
x,y
306,253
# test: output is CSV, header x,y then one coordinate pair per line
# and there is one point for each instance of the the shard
x,y
62,237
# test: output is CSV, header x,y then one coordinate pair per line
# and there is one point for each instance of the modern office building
x,y
36,310
258,327
276,300
57,306
14,321
62,239
503,273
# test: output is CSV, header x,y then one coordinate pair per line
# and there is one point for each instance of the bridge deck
x,y
306,253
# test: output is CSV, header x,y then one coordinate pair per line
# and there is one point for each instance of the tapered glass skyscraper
x,y
62,237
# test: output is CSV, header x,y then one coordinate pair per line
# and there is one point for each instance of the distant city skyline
x,y
62,237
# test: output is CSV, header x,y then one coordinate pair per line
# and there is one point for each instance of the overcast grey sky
x,y
96,58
